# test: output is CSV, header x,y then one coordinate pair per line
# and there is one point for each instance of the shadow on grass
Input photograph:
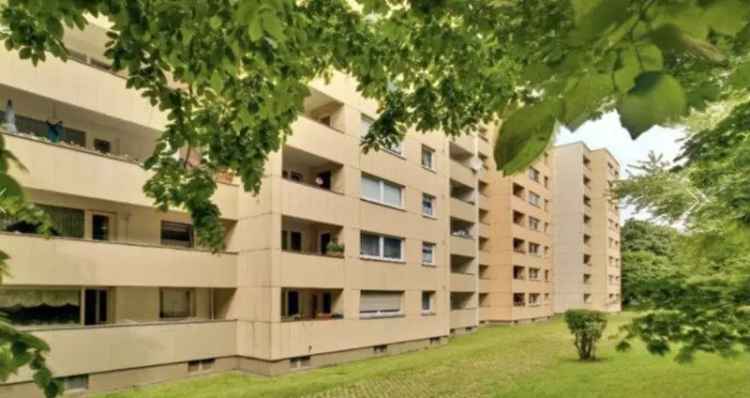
x,y
598,360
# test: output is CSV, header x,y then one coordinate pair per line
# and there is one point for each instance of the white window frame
x,y
433,200
381,195
538,252
426,149
381,248
431,296
535,199
534,223
397,150
431,246
534,174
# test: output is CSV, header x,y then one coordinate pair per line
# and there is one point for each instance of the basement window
x,y
299,362
73,384
380,349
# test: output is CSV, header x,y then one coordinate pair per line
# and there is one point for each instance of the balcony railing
x,y
36,260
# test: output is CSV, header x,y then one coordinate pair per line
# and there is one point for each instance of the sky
x,y
608,133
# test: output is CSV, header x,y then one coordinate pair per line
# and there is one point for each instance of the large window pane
x,y
65,221
29,307
176,234
370,188
392,248
369,245
391,194
176,303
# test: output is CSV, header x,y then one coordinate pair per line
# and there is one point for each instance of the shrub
x,y
587,327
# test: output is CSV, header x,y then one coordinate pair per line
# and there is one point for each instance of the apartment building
x,y
587,230
341,255
516,279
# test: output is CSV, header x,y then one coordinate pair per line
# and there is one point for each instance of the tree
x,y
587,327
650,254
241,69
706,307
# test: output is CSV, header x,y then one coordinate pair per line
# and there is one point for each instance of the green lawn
x,y
521,361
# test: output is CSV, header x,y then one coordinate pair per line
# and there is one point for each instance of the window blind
x,y
374,302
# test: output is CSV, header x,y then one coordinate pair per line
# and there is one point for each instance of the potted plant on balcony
x,y
335,249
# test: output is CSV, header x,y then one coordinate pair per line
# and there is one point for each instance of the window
x,y
546,275
587,279
428,205
373,303
587,298
518,272
176,234
291,241
292,175
534,199
519,300
534,274
382,191
31,307
75,383
100,227
381,247
427,158
65,221
427,299
364,126
534,299
428,253
534,224
292,303
102,146
201,366
533,174
176,303
546,182
95,306
535,249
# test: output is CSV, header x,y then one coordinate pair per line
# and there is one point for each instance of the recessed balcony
x,y
35,260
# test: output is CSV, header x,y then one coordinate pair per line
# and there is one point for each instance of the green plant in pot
x,y
335,249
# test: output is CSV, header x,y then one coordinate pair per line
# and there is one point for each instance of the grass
x,y
536,360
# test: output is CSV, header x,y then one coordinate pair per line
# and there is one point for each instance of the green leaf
x,y
634,60
657,98
671,38
595,17
525,135
585,99
9,188
272,25
217,81
728,17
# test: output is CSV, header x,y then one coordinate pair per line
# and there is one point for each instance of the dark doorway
x,y
325,180
100,227
95,306
325,239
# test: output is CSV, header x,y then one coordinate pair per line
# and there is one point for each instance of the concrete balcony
x,y
314,337
463,210
297,269
467,317
315,204
95,349
324,141
465,142
76,171
80,85
35,260
484,147
463,282
466,247
485,285
463,174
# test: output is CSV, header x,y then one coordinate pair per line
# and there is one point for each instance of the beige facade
x,y
123,295
341,256
516,277
587,230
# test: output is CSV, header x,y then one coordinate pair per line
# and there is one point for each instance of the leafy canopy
x,y
231,74
705,304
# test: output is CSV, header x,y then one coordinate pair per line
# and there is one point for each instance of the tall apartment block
x,y
516,281
587,230
340,256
